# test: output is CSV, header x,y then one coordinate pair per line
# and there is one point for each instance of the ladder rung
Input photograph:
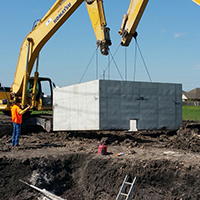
x,y
123,187
124,194
128,183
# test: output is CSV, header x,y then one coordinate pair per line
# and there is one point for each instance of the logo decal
x,y
62,12
48,22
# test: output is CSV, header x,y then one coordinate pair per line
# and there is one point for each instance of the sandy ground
x,y
166,163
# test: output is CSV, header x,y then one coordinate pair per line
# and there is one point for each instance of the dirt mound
x,y
187,137
166,163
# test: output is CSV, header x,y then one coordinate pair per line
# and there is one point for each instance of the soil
x,y
166,163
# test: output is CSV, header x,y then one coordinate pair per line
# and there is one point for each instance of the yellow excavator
x,y
29,89
132,18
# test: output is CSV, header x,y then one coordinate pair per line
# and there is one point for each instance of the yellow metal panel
x,y
4,107
131,20
135,13
95,18
41,33
4,95
197,1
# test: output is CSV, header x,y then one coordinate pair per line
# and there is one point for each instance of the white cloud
x,y
177,35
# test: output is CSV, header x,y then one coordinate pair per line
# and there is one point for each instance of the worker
x,y
31,89
16,113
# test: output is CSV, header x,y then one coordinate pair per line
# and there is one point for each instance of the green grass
x,y
42,112
191,113
38,112
188,113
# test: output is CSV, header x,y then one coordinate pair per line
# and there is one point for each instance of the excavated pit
x,y
165,163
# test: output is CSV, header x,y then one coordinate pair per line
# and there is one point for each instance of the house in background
x,y
192,97
194,94
184,96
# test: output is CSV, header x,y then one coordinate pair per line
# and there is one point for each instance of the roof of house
x,y
184,92
194,94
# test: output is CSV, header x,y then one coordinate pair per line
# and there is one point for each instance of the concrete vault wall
x,y
107,104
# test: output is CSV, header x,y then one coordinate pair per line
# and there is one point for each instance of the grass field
x,y
188,113
191,113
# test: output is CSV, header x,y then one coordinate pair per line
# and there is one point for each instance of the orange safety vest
x,y
16,117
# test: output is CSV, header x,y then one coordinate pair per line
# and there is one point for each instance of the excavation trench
x,y
89,176
166,164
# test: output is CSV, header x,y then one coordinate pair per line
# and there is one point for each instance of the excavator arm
x,y
197,2
132,18
45,29
97,17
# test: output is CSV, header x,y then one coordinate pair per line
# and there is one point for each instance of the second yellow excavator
x,y
132,18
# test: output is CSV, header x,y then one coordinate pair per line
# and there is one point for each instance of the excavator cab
x,y
43,94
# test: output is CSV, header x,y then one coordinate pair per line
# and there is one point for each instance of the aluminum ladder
x,y
130,189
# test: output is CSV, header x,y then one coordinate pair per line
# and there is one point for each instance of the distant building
x,y
193,94
184,96
191,98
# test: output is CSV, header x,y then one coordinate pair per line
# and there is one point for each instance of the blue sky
x,y
168,38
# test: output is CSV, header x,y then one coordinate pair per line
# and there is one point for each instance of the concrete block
x,y
106,105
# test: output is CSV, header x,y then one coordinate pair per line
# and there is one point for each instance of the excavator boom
x,y
44,30
132,18
197,1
